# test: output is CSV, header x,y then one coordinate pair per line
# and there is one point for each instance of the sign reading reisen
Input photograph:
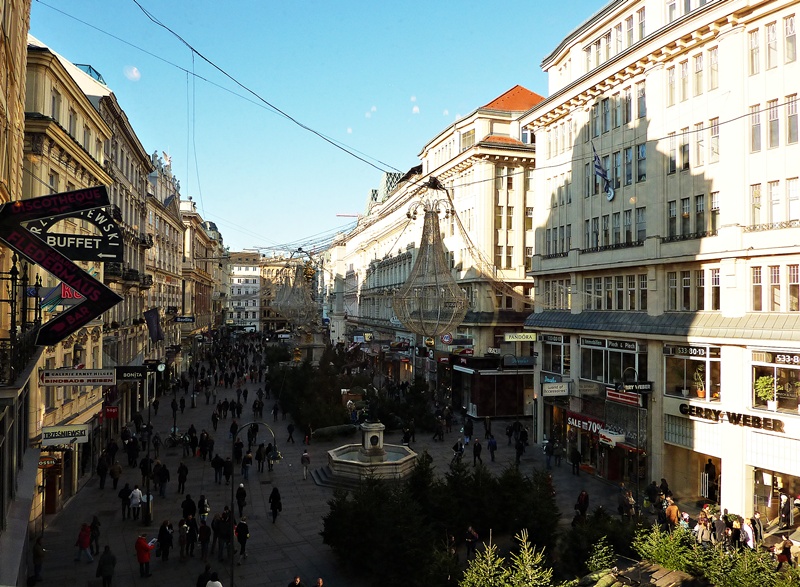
x,y
78,377
53,435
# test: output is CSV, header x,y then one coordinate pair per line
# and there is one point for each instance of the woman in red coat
x,y
83,542
143,549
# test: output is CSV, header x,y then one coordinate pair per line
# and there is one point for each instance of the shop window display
x,y
776,387
693,372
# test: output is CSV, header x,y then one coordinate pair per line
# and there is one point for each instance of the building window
x,y
615,227
755,203
467,140
608,290
794,287
640,22
686,220
714,155
671,86
756,288
643,291
774,288
755,128
686,291
715,290
672,218
684,70
617,110
509,256
772,45
641,100
547,249
606,115
617,169
595,232
596,120
789,40
628,222
529,218
618,38
641,162
630,292
498,218
793,197
73,122
606,230
700,289
627,113
773,124
498,256
587,172
754,52
672,290
52,181
700,213
699,145
791,119
672,10
698,74
713,68
629,31
55,105
510,218
693,370
671,160
684,149
628,165
568,238
641,224
775,202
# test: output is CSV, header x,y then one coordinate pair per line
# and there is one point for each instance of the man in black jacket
x,y
204,577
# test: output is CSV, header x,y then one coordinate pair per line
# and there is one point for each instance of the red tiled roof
x,y
502,140
516,99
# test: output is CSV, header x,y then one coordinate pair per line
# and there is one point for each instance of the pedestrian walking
x,y
94,545
492,446
290,430
241,498
136,501
155,404
204,577
165,542
227,470
242,534
575,459
214,581
38,559
105,566
204,537
143,549
247,461
183,404
296,582
305,460
557,452
125,497
102,469
471,538
275,503
582,503
115,471
261,456
476,452
84,542
183,473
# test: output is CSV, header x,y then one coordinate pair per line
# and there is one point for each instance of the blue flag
x,y
599,170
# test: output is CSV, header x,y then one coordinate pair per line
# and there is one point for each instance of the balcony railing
x,y
146,281
613,247
112,272
688,237
15,356
130,275
772,226
146,241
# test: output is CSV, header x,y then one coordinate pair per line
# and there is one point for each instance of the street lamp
x,y
233,484
147,517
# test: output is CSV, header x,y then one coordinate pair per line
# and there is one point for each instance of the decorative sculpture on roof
x,y
430,302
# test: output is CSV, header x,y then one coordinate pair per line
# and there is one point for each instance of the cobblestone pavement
x,y
276,552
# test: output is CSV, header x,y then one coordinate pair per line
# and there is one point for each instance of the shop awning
x,y
753,326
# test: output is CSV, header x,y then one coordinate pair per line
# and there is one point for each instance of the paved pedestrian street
x,y
276,552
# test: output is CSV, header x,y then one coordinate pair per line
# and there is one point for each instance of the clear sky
x,y
382,77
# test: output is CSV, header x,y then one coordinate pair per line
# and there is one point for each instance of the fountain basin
x,y
352,461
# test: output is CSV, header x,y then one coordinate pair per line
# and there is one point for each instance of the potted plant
x,y
764,387
700,380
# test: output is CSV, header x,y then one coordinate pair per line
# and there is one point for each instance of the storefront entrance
x,y
768,487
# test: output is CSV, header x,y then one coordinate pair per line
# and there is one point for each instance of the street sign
x,y
99,298
493,350
57,377
105,246
447,338
184,319
642,387
131,373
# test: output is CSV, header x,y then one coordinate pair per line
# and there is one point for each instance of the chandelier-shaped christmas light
x,y
295,301
430,302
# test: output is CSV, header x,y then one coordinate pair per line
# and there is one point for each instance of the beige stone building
x,y
677,274
486,163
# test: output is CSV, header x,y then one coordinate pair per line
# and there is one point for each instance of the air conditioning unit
x,y
669,351
540,338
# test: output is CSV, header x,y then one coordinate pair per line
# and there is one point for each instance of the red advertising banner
x,y
112,412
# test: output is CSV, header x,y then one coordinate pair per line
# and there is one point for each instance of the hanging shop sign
x,y
493,350
720,416
58,377
519,337
99,298
610,437
105,246
555,389
636,387
623,397
447,338
184,319
53,435
430,342
112,412
48,462
131,373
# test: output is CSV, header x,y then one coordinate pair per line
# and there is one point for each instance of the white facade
x,y
687,276
244,302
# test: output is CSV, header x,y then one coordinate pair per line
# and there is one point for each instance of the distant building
x,y
244,303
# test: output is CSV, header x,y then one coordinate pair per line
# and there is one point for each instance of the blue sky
x,y
382,77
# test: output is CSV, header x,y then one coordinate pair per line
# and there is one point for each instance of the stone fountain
x,y
371,458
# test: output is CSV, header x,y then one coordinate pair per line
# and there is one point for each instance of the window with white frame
x,y
756,288
755,203
773,126
684,71
699,145
698,74
793,198
791,119
670,86
789,40
755,128
713,68
714,146
692,370
754,52
772,44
